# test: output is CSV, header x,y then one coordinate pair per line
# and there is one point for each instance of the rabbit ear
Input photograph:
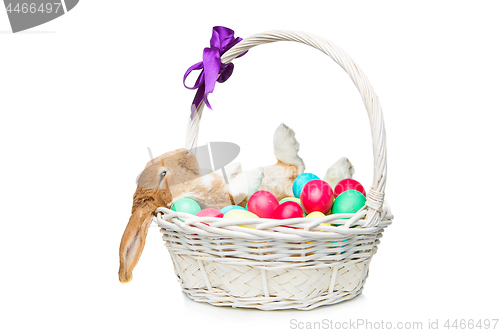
x,y
133,239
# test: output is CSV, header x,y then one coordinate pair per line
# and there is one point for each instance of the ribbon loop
x,y
198,81
212,69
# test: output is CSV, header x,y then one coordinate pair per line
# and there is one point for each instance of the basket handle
x,y
375,198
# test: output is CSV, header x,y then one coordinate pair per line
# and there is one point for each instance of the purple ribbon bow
x,y
212,69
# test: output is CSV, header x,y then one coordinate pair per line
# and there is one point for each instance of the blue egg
x,y
228,208
300,181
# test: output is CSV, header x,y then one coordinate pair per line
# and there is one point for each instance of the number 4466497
x,y
470,324
32,8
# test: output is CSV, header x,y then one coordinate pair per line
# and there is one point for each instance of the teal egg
x,y
231,207
350,201
345,240
186,205
300,182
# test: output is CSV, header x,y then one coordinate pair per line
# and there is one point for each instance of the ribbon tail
x,y
211,67
205,99
193,111
200,94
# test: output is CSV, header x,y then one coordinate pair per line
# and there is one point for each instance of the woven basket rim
x,y
306,228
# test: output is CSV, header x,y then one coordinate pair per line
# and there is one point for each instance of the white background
x,y
83,96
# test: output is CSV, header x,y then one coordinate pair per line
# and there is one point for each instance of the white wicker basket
x,y
273,267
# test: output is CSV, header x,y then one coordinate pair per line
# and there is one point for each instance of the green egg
x,y
350,201
186,205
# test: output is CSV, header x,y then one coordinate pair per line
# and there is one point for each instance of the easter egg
x,y
316,215
317,195
236,214
297,200
346,185
186,205
288,210
301,181
349,201
231,207
240,214
210,212
263,204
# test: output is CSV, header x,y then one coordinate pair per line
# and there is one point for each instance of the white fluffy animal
x,y
341,169
278,179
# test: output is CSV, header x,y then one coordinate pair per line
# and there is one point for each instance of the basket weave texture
x,y
272,266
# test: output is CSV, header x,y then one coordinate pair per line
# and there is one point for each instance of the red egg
x,y
263,204
317,196
288,210
209,212
346,185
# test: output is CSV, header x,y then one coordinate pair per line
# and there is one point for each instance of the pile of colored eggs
x,y
313,198
316,195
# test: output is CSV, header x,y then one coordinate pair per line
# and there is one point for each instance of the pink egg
x,y
346,185
317,196
262,204
209,212
288,210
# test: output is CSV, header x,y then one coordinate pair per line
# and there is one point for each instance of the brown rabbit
x,y
166,178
